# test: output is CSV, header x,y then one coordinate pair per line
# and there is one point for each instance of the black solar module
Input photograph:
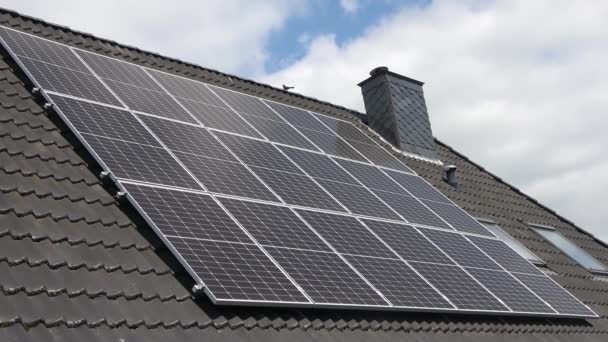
x,y
504,255
236,272
264,203
460,249
399,283
553,294
326,278
510,291
407,242
346,234
462,290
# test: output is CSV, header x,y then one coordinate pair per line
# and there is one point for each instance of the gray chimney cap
x,y
383,70
379,70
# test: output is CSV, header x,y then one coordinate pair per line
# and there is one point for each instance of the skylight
x,y
570,249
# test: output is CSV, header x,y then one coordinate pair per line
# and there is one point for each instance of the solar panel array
x,y
267,204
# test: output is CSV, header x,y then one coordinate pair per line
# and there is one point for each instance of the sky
x,y
520,87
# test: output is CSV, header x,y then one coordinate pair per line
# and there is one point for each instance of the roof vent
x,y
449,175
396,109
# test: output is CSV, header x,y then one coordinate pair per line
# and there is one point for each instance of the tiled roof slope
x,y
76,265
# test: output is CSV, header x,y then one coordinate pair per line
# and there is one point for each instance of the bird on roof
x,y
287,88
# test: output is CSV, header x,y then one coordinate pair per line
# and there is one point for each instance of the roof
x,y
77,264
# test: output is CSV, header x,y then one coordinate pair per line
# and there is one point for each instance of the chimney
x,y
396,109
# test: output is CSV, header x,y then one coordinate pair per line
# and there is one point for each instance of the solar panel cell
x,y
460,249
140,162
371,176
407,242
358,200
103,121
560,299
68,81
233,271
332,144
273,225
418,187
411,209
298,117
219,118
246,104
346,234
186,214
225,177
379,156
187,138
457,218
297,189
504,255
462,290
510,291
398,282
187,89
318,165
325,277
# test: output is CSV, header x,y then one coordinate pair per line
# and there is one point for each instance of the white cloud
x,y
349,6
518,86
229,35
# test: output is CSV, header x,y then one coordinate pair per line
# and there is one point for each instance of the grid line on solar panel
x,y
510,291
371,176
119,71
246,104
140,162
273,225
332,144
43,50
279,132
504,255
460,288
225,177
398,282
411,209
379,156
317,165
457,218
185,88
186,138
219,118
417,186
68,81
325,277
346,234
149,101
407,242
553,294
297,189
460,249
358,200
257,153
87,117
234,271
298,117
186,214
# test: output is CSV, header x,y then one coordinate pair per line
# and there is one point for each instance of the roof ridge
x,y
158,55
520,192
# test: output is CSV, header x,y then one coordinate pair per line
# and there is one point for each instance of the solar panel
x,y
239,192
462,290
457,218
326,278
297,189
510,291
460,249
236,272
401,285
358,200
504,255
407,242
225,177
274,225
346,234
